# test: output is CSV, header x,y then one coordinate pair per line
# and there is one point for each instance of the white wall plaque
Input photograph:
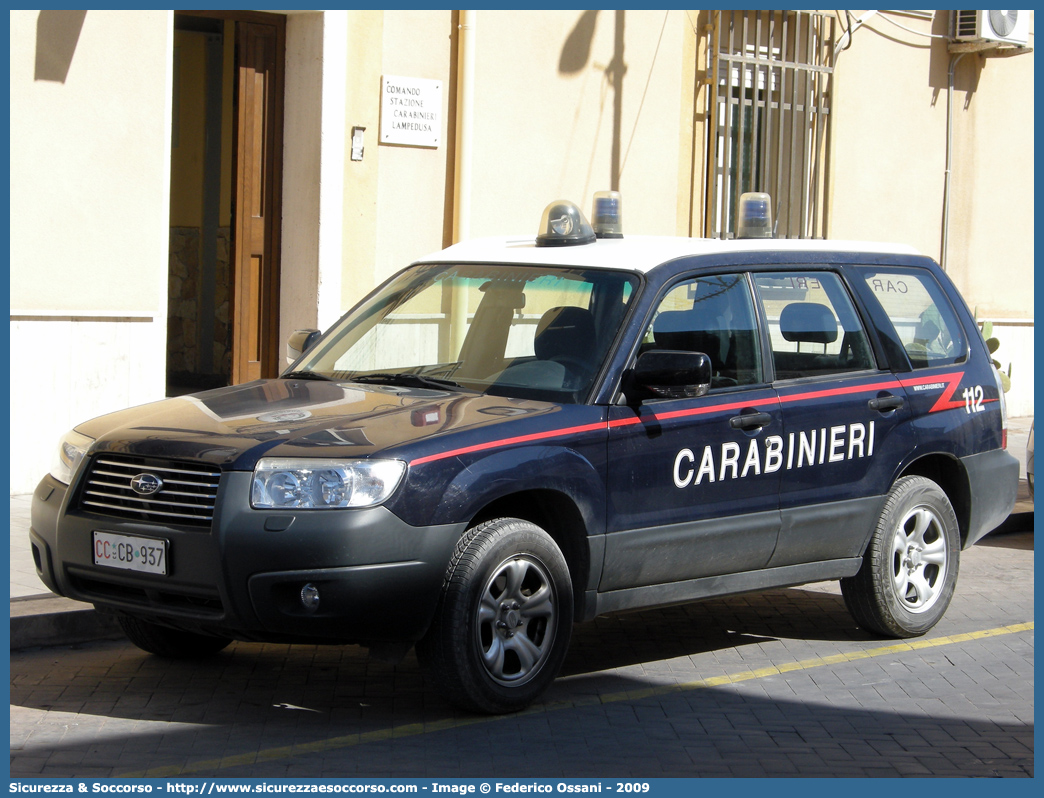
x,y
411,111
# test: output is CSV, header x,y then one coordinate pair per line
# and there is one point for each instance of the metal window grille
x,y
768,117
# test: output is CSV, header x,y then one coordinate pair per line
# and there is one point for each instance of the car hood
x,y
234,427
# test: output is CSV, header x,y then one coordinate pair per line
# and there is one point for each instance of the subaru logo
x,y
146,484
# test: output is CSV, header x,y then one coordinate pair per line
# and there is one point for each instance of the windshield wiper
x,y
407,380
305,375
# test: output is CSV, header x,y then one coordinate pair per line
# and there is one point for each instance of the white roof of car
x,y
639,253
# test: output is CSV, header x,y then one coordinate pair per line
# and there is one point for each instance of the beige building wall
x,y
992,222
566,103
313,148
364,50
568,100
888,137
554,118
302,156
991,228
549,122
90,166
888,169
411,188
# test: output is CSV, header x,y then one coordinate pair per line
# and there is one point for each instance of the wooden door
x,y
257,188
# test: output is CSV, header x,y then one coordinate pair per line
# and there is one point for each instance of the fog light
x,y
310,597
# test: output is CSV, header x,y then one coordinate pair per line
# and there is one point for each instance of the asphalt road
x,y
774,684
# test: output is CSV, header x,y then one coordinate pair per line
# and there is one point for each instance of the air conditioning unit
x,y
1004,27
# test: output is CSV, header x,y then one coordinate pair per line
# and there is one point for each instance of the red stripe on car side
x,y
692,411
874,386
944,403
536,436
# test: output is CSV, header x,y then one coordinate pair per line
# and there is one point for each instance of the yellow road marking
x,y
417,729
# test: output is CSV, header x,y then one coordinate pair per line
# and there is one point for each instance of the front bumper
x,y
378,578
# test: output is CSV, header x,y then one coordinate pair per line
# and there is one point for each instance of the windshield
x,y
531,332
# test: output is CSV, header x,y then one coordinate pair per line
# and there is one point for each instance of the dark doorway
x,y
223,313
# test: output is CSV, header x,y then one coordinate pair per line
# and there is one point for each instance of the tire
x,y
503,621
171,643
910,568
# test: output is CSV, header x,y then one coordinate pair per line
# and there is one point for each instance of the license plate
x,y
147,555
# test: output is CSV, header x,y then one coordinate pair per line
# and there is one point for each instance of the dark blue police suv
x,y
517,434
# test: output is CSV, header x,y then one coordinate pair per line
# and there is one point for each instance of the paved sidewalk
x,y
40,618
24,581
780,683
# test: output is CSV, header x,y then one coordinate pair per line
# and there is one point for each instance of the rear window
x,y
923,318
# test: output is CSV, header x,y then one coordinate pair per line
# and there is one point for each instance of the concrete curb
x,y
49,620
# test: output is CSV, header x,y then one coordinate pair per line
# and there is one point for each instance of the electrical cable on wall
x,y
845,40
911,30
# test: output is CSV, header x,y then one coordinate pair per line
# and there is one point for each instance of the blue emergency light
x,y
755,215
606,217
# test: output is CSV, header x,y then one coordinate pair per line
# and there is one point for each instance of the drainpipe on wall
x,y
949,158
462,167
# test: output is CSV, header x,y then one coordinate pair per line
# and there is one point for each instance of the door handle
x,y
750,421
883,404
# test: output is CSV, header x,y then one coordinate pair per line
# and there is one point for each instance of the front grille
x,y
187,495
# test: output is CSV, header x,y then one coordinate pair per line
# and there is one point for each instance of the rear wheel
x,y
502,625
910,568
171,643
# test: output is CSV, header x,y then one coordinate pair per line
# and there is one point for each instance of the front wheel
x,y
503,622
910,568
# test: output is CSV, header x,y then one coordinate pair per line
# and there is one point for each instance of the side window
x,y
713,315
920,314
813,325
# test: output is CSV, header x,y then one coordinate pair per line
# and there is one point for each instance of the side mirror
x,y
670,374
299,343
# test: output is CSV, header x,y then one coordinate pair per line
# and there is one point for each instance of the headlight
x,y
283,482
71,451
